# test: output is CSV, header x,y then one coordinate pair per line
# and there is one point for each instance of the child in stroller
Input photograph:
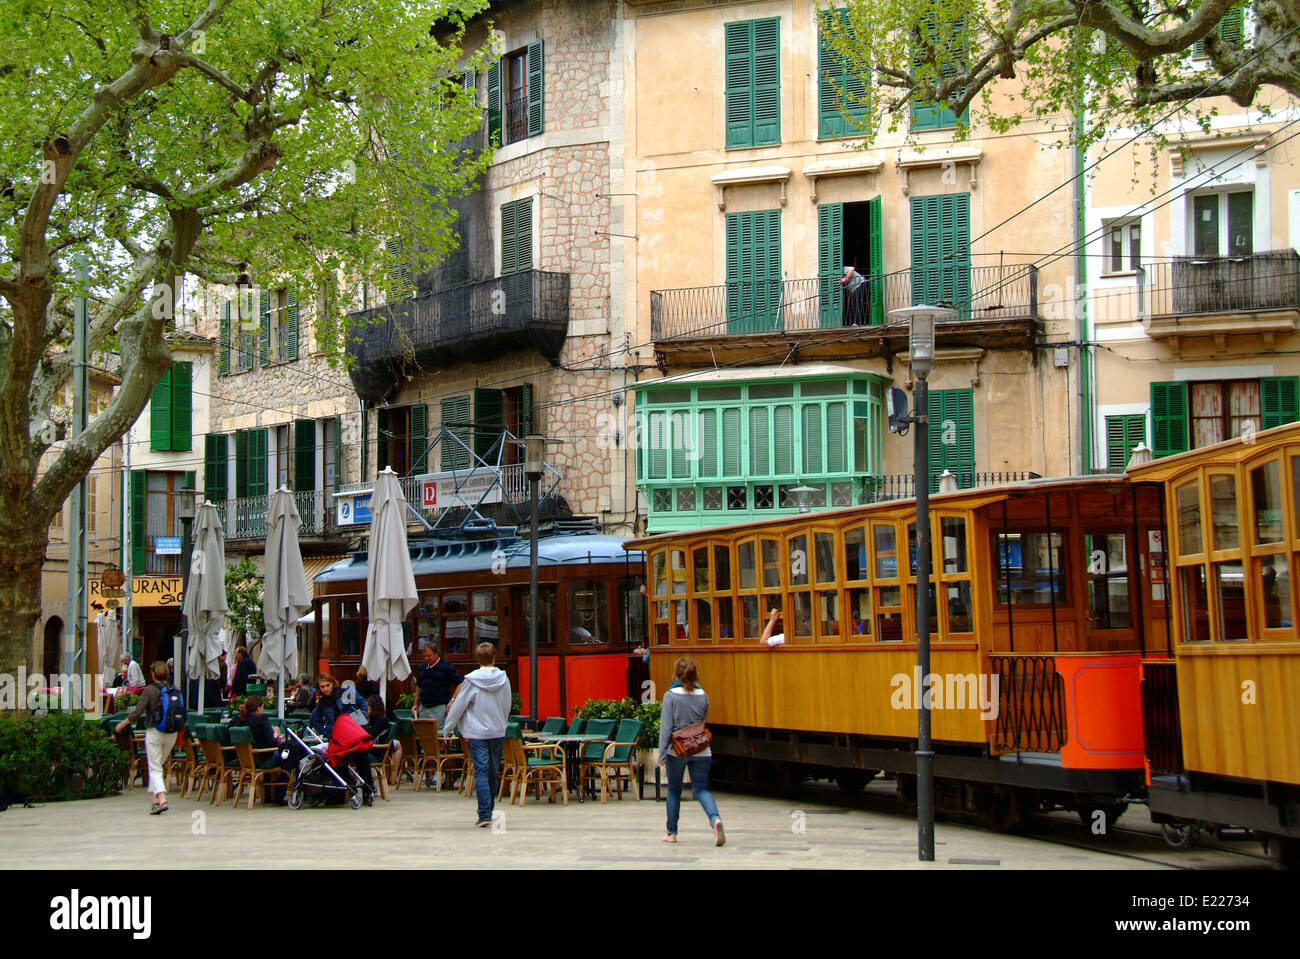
x,y
327,771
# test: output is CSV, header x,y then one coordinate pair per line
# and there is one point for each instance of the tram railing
x,y
1161,726
891,486
1031,714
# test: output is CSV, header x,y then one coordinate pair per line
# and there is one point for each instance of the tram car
x,y
475,590
1041,622
1222,712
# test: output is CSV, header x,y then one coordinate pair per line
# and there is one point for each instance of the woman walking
x,y
157,744
685,705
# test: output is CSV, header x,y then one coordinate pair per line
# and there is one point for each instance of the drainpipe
x,y
1081,295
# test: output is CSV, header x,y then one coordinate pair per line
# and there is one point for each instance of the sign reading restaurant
x,y
145,591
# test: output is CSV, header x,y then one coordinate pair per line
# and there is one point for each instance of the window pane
x,y
1275,584
1223,511
1116,249
1240,223
1134,246
662,623
959,608
1205,226
855,554
703,619
701,556
587,613
860,611
802,603
771,565
749,610
748,575
726,627
886,551
828,612
1189,519
679,570
1108,599
1230,587
660,573
1030,568
546,615
1266,486
1295,489
632,610
911,548
722,568
825,546
954,544
1196,610
798,546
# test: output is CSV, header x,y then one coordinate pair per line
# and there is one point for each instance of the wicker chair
x,y
432,759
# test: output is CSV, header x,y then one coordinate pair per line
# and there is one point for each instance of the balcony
x,y
245,518
1215,296
745,321
471,323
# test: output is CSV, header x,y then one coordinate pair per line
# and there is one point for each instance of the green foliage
x,y
59,756
516,703
626,708
244,589
649,713
407,701
125,702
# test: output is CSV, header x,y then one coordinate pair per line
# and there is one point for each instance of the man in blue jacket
x,y
481,709
433,687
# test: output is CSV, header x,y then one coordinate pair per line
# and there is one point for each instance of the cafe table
x,y
572,744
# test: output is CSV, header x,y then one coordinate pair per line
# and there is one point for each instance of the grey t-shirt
x,y
681,709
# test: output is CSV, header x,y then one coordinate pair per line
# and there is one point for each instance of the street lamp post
x,y
534,453
921,356
185,511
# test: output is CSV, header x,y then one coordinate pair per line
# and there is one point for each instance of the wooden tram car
x,y
592,613
1037,586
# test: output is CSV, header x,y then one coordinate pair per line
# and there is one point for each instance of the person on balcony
x,y
854,310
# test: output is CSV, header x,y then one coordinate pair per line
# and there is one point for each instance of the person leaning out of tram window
x,y
686,703
774,632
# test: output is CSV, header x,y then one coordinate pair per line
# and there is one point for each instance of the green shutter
x,y
419,438
941,250
215,459
837,438
338,452
760,441
1122,434
516,236
740,84
383,440
679,423
191,480
304,455
182,406
455,409
257,444
754,271
536,88
830,259
508,258
526,409
1280,396
708,437
399,269
1231,30
160,414
363,468
783,441
494,104
291,322
264,328
241,464
489,420
952,436
950,41
139,516
876,261
1168,418
659,441
767,81
223,340
812,438
839,91
731,449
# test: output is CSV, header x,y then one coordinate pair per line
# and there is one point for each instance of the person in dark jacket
x,y
379,726
366,687
434,684
264,737
243,669
329,708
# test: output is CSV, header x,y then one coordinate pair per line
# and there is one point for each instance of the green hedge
x,y
626,708
59,756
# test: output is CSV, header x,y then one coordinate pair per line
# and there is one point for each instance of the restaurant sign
x,y
145,591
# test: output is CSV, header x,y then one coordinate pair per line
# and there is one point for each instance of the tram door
x,y
1108,565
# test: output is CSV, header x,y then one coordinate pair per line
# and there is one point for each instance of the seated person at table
x,y
379,727
302,696
772,636
329,707
264,737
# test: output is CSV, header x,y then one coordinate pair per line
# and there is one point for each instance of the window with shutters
x,y
753,83
1123,433
952,436
938,53
160,518
841,91
516,95
754,271
457,420
216,467
1191,415
517,236
517,408
252,469
851,235
941,251
282,450
282,324
171,409
1231,30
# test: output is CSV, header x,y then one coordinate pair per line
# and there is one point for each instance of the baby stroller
x,y
319,778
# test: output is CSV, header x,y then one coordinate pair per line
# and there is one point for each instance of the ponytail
x,y
685,670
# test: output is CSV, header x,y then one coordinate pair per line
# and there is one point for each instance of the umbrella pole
x,y
279,700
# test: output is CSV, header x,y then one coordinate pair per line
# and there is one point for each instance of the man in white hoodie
x,y
481,709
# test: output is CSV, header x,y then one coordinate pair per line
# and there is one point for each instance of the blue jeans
x,y
699,767
487,773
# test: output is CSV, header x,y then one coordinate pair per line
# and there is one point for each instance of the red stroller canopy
x,y
348,736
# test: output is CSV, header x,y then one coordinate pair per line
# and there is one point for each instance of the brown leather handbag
x,y
691,739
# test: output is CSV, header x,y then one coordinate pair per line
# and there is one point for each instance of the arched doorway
x,y
52,663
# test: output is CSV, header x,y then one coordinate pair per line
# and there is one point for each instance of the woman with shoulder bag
x,y
684,744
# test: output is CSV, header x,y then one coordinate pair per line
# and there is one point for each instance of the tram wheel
x,y
1284,852
1178,835
1004,811
1111,811
853,781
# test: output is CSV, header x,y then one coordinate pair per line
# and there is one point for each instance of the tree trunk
x,y
20,596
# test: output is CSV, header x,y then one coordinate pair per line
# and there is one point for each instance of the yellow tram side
x,y
1223,717
1053,633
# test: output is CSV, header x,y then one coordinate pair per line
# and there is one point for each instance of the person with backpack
x,y
165,708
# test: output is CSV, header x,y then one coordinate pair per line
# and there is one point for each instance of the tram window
x,y
703,619
545,614
771,565
745,560
721,568
660,573
1223,511
663,624
889,615
679,571
749,617
1189,519
680,628
934,606
959,608
911,549
1266,487
455,625
725,618
824,545
886,545
1108,597
855,554
1196,610
1230,590
486,630
802,604
631,609
798,552
1274,576
1030,567
859,613
953,529
588,613
828,613
700,559
427,619
351,617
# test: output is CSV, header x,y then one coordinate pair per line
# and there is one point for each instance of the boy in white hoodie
x,y
481,708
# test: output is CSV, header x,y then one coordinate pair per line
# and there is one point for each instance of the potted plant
x,y
648,744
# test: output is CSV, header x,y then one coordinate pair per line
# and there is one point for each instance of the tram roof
x,y
967,498
463,556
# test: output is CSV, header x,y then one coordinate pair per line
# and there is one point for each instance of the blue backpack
x,y
171,715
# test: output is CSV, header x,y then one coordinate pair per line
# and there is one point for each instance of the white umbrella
x,y
286,596
107,643
205,600
390,584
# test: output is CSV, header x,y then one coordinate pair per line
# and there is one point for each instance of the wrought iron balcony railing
x,y
892,486
245,517
474,322
1188,286
747,307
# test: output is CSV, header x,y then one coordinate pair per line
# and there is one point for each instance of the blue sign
x,y
354,509
167,545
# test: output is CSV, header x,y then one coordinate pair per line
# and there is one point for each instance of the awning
x,y
313,566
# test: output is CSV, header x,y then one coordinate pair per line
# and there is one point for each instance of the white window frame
x,y
1127,266
1222,194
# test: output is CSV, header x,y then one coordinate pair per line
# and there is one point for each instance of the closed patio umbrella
x,y
286,596
205,601
390,584
106,642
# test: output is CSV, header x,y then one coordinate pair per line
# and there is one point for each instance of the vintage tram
x,y
476,589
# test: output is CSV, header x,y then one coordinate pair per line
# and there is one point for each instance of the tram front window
x,y
588,613
1108,594
1230,589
